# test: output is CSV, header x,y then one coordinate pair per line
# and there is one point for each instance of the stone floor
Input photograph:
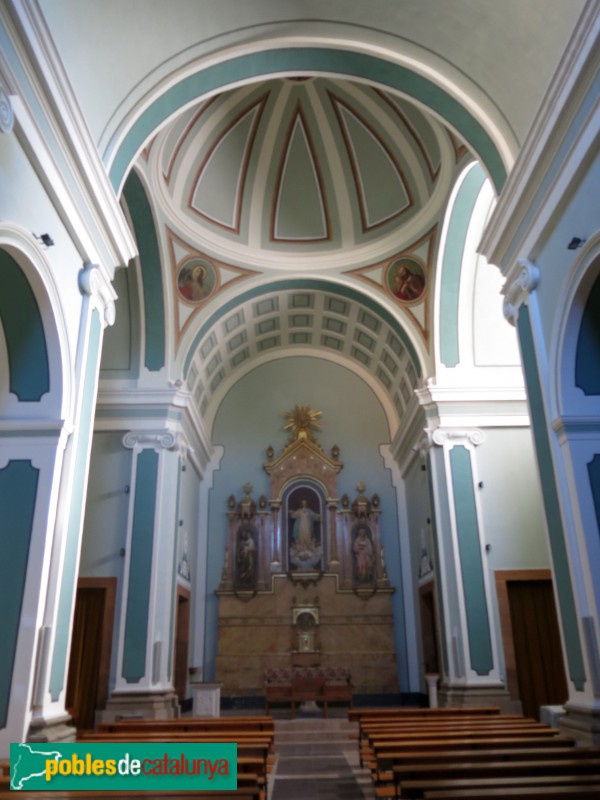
x,y
317,760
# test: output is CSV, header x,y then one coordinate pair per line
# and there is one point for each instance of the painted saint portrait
x,y
406,279
195,280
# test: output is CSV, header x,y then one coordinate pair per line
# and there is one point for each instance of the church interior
x,y
299,357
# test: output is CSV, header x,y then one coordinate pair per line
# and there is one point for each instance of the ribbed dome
x,y
292,168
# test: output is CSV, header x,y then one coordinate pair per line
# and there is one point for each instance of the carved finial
x,y
302,420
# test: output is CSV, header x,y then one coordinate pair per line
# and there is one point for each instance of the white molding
x,y
577,68
456,436
81,180
157,440
94,283
7,117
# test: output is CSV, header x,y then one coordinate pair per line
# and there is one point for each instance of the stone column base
x,y
465,696
162,705
582,723
58,730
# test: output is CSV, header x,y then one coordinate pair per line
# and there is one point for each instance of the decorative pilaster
x,y
469,642
7,117
144,680
49,721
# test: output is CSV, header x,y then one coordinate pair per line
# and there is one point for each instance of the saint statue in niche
x,y
246,558
303,532
363,555
305,537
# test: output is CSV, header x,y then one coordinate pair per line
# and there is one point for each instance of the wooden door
x,y
86,647
182,640
537,646
91,645
429,630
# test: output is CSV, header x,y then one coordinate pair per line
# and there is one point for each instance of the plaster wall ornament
x,y
7,117
441,436
95,284
424,445
522,279
159,440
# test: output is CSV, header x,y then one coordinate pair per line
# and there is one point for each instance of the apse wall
x,y
251,418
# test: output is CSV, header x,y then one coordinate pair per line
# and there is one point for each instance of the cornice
x,y
524,190
65,155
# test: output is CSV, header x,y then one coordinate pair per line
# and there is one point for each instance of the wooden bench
x,y
311,684
416,789
360,714
254,747
258,723
243,793
567,792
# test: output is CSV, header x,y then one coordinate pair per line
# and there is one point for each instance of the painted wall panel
x,y
18,489
140,567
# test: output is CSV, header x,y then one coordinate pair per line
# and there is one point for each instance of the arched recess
x,y
35,384
576,395
472,331
577,343
491,146
368,339
36,378
251,417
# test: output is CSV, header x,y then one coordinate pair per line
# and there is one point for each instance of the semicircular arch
x,y
489,138
308,317
51,373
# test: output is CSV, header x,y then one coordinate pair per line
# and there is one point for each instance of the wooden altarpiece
x,y
304,580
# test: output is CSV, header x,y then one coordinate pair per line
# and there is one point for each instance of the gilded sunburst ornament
x,y
302,420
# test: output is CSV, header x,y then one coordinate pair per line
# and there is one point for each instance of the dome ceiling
x,y
299,216
273,174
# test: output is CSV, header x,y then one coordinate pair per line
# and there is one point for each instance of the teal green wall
x,y
458,226
469,546
18,491
140,567
23,332
249,420
587,357
150,262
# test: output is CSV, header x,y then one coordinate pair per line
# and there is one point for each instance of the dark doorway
x,y
538,652
429,630
89,664
182,641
